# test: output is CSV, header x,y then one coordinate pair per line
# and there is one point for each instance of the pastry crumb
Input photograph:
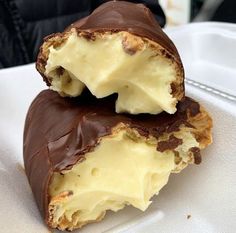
x,y
20,167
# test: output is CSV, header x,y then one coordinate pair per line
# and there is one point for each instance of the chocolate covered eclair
x,y
82,158
119,48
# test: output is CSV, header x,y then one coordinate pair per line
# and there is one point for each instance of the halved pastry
x,y
119,48
82,158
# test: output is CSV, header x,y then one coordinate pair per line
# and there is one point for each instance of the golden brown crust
x,y
55,40
67,225
64,223
203,124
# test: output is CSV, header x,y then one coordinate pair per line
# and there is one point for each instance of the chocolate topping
x,y
59,131
115,16
196,155
170,144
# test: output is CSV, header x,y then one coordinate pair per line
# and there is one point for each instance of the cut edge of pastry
x,y
193,138
134,66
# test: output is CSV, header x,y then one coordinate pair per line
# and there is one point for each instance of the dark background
x,y
24,23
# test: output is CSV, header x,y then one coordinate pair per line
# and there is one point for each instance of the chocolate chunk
x,y
196,155
172,143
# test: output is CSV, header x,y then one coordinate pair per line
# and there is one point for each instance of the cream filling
x,y
119,172
142,80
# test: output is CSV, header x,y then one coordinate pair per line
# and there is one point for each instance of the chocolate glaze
x,y
115,16
196,155
170,144
59,131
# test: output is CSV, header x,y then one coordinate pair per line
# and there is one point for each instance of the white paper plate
x,y
206,193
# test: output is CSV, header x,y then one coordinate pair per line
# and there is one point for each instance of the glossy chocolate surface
x,y
60,131
115,16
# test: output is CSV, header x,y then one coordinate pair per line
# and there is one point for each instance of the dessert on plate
x,y
115,123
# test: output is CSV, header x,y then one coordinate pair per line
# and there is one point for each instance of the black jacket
x,y
24,23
